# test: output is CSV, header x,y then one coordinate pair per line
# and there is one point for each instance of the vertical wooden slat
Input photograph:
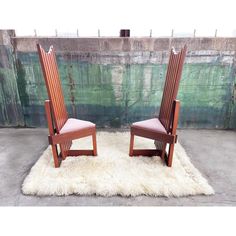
x,y
178,76
170,85
170,63
59,88
173,75
51,91
167,93
55,93
171,92
67,145
169,70
44,65
54,90
183,53
61,110
56,74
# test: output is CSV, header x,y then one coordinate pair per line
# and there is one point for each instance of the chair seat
x,y
153,125
73,125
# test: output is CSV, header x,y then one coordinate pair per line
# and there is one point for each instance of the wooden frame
x,y
57,116
168,116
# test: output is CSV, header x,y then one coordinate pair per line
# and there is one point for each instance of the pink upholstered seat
x,y
73,125
153,125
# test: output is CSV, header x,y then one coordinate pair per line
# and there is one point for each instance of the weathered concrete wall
x,y
115,81
232,109
11,113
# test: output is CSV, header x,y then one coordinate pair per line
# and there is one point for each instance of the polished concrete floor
x,y
213,152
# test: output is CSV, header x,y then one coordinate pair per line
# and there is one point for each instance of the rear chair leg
x,y
163,151
161,146
170,155
94,144
57,161
131,147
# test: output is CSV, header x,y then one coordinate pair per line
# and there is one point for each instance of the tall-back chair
x,y
62,130
163,128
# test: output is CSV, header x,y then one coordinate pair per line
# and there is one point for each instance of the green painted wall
x,y
111,95
11,113
114,88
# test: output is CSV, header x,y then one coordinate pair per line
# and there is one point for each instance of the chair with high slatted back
x,y
62,130
163,128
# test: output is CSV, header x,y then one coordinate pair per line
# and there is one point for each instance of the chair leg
x,y
163,152
131,147
94,144
64,147
57,161
170,155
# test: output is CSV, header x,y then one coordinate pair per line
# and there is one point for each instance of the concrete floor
x,y
212,152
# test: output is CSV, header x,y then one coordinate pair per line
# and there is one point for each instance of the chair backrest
x,y
173,76
53,84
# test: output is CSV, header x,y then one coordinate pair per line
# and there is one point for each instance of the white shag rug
x,y
113,172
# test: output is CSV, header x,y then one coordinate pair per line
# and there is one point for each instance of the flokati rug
x,y
113,172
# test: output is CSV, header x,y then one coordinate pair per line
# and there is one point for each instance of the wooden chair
x,y
62,130
163,128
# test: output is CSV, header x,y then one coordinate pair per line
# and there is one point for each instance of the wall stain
x,y
21,83
4,113
72,90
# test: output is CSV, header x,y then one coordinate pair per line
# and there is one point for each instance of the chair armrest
x,y
176,109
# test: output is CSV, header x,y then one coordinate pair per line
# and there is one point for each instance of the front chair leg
x,y
94,144
131,147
